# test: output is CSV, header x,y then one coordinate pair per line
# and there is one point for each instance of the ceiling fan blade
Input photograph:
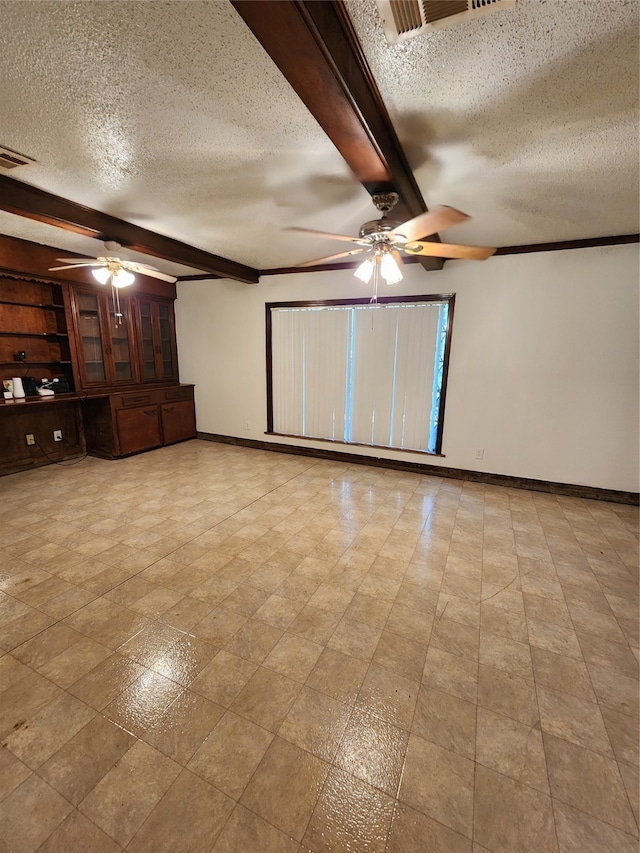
x,y
328,258
156,274
76,266
448,250
429,223
76,260
326,234
136,267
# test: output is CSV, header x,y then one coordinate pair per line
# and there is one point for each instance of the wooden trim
x,y
445,372
314,45
203,277
382,300
561,245
336,441
33,203
575,491
269,365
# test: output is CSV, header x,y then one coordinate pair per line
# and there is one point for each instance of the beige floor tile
x,y
390,696
511,748
589,782
46,645
561,673
451,674
504,623
231,753
573,719
349,815
24,699
254,641
507,655
614,689
454,638
183,728
315,624
373,750
511,816
413,832
124,798
70,665
246,831
185,659
266,699
369,609
219,626
143,702
223,678
106,681
603,653
331,597
355,638
580,833
185,613
447,721
458,609
245,599
316,722
623,733
85,758
287,807
190,816
30,814
338,675
632,785
279,611
12,772
547,610
507,695
410,623
78,833
42,734
401,655
293,657
445,793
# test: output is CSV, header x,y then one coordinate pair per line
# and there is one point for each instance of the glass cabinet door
x,y
91,337
120,347
147,342
166,339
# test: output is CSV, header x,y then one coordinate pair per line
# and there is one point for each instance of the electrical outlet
x,y
247,424
57,435
480,453
30,438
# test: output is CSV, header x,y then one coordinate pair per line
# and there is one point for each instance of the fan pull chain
x,y
117,313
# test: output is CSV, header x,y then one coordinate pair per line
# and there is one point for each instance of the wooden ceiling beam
x,y
314,45
33,203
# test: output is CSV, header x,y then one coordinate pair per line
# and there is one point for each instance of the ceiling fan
x,y
385,241
113,270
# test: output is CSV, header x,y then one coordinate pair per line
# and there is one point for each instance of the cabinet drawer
x,y
130,400
138,429
178,421
172,394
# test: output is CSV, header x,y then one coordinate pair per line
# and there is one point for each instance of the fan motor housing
x,y
378,227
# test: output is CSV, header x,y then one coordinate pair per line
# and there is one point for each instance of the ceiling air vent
x,y
405,19
11,159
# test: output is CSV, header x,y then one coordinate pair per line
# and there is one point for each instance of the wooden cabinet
x,y
103,334
121,424
157,339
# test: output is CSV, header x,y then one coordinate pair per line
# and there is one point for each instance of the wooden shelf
x,y
34,334
48,306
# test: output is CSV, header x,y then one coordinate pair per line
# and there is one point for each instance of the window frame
x,y
449,298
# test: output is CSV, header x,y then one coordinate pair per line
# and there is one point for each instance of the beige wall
x,y
544,361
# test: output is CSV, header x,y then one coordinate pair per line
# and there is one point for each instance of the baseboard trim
x,y
589,492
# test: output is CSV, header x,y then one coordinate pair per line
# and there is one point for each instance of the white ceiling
x,y
171,115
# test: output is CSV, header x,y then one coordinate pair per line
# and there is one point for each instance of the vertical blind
x,y
365,374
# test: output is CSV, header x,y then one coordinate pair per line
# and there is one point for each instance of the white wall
x,y
544,361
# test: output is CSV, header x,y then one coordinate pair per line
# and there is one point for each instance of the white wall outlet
x,y
30,438
57,435
480,453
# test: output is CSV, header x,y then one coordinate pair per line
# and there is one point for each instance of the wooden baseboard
x,y
589,492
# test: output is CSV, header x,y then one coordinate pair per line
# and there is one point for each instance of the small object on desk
x,y
18,390
7,395
45,392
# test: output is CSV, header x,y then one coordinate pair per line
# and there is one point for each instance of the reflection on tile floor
x,y
210,648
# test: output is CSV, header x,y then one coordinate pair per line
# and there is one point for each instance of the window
x,y
360,373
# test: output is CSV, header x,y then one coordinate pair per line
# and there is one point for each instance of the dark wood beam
x,y
33,203
586,243
314,44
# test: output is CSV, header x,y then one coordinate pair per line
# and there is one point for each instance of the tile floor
x,y
209,648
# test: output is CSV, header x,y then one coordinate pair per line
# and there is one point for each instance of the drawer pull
x,y
169,408
150,411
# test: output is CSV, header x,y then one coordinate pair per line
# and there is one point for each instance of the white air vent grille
x,y
404,19
11,159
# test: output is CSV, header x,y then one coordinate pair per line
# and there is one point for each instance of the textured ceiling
x,y
526,118
171,115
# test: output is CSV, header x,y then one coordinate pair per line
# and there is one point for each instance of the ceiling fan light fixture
x,y
365,270
122,278
390,269
101,274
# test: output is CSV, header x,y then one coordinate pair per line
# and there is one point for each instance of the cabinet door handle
x,y
169,408
150,411
158,350
108,350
